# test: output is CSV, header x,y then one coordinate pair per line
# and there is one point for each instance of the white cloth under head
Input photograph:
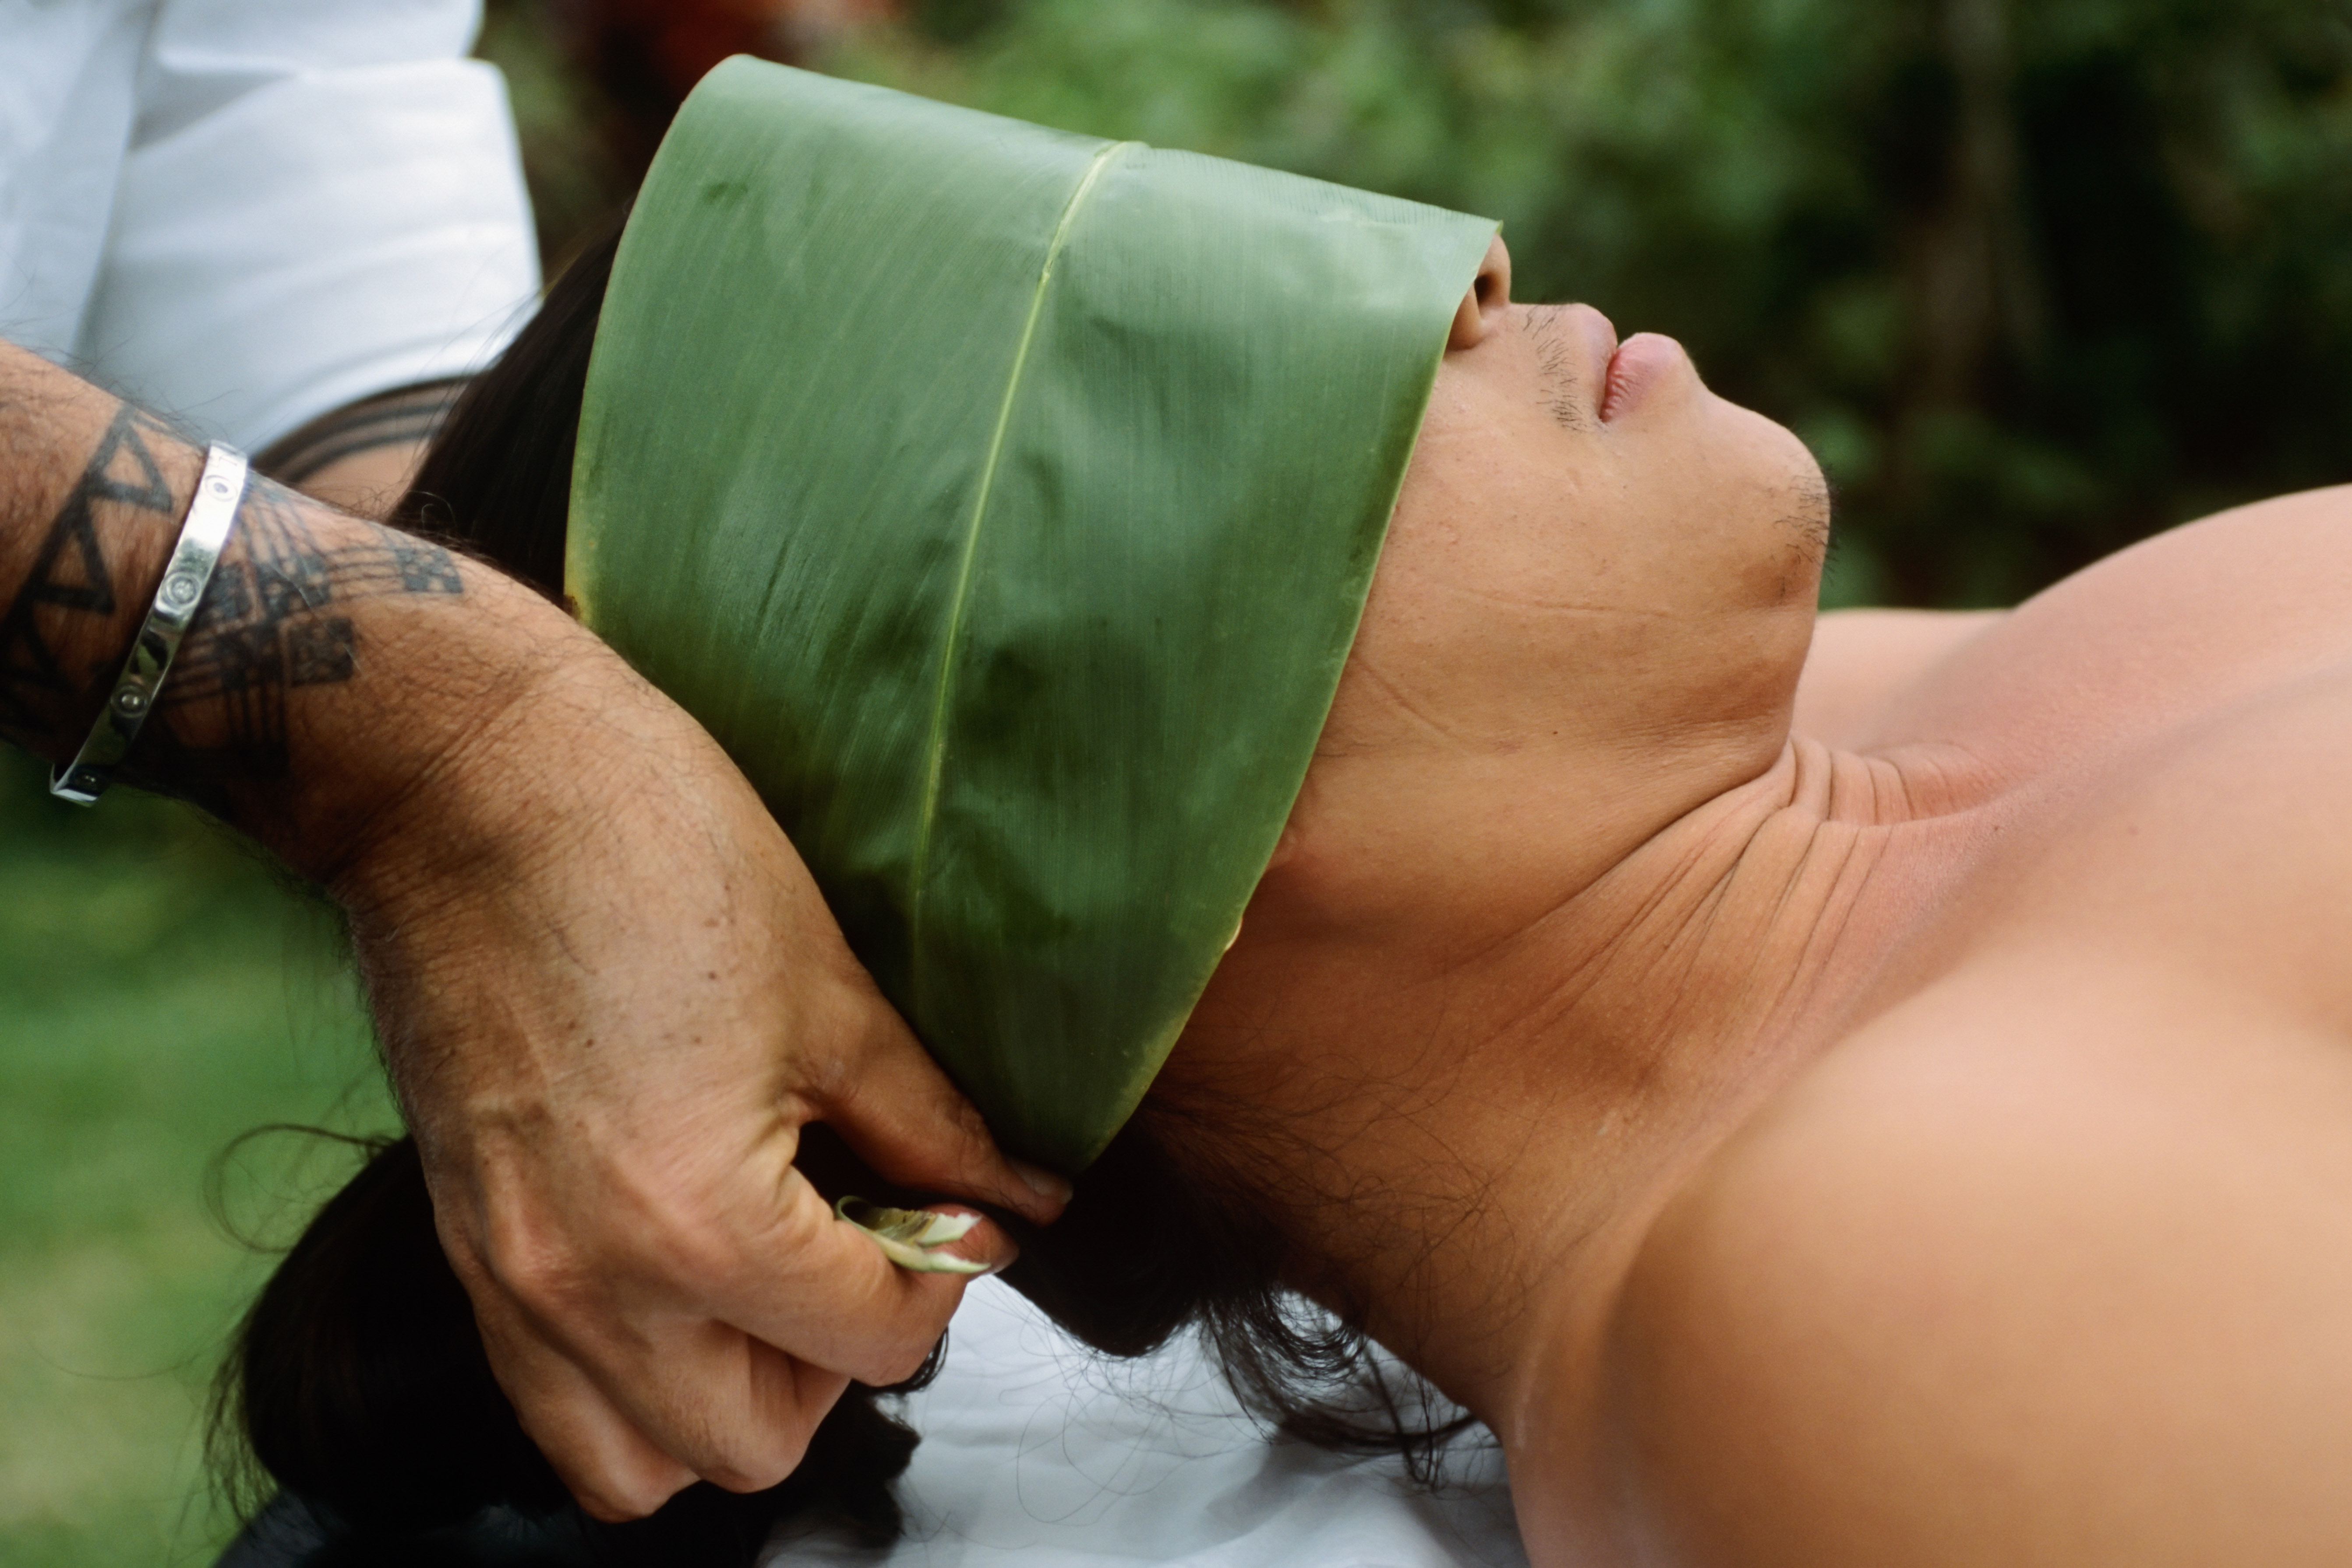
x,y
1037,1453
246,213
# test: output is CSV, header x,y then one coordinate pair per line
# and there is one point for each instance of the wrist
x,y
522,827
90,503
387,723
188,574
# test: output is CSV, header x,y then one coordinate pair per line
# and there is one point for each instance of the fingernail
x,y
914,1239
1043,1182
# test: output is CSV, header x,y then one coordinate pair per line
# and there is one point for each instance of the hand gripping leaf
x,y
1004,501
915,1239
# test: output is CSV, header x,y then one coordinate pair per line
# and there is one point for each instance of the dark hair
x,y
359,1381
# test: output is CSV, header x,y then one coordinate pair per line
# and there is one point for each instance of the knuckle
x,y
536,1270
756,1471
696,1259
692,1241
617,1501
830,1074
967,1120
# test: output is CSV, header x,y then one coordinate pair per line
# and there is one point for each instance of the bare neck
x,y
1464,1155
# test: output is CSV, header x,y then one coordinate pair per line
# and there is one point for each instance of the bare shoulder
x,y
2172,628
1861,660
2023,1278
2200,611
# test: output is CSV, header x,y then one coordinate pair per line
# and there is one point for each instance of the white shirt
x,y
1038,1454
243,214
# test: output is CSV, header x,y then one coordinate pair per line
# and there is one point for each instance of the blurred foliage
x,y
2034,281
159,996
561,115
594,82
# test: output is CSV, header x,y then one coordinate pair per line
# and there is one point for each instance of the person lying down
x,y
1347,765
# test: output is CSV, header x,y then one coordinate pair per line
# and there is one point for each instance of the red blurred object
x,y
671,43
646,55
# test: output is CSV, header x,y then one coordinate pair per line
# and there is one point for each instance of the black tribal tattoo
x,y
405,418
72,588
276,617
272,621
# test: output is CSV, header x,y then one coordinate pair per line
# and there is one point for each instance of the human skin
x,y
1881,1094
360,459
607,993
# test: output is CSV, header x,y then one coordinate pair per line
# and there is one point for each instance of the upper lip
x,y
1602,342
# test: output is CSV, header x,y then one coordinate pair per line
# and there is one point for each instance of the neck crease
x,y
1463,1152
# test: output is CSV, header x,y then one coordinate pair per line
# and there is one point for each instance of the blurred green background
x,y
2034,281
160,994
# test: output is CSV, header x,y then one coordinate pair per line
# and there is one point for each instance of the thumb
x,y
844,1303
904,1119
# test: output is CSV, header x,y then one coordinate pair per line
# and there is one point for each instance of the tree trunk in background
x,y
1976,290
1976,301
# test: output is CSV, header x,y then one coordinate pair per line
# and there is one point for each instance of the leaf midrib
x,y
935,742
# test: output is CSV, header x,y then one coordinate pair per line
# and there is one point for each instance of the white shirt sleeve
x,y
320,201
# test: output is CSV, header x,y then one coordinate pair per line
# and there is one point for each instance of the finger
x,y
820,1289
737,1412
762,1305
614,1470
924,1240
629,1421
903,1117
734,1388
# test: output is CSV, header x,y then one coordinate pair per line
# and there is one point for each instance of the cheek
x,y
1509,521
1502,514
1493,589
1543,586
1521,552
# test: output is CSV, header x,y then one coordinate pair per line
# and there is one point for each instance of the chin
x,y
1789,503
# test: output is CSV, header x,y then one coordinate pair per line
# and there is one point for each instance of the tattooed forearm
x,y
69,621
285,611
336,673
277,617
408,418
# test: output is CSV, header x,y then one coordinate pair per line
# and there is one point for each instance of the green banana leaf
x,y
1004,501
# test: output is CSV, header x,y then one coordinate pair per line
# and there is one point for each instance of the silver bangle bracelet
x,y
188,573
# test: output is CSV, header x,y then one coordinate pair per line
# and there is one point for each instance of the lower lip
x,y
1640,362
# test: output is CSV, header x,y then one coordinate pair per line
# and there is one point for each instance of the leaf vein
x,y
935,741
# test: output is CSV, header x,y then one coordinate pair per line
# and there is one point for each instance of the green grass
x,y
159,995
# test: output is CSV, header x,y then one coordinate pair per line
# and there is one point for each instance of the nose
x,y
1488,299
